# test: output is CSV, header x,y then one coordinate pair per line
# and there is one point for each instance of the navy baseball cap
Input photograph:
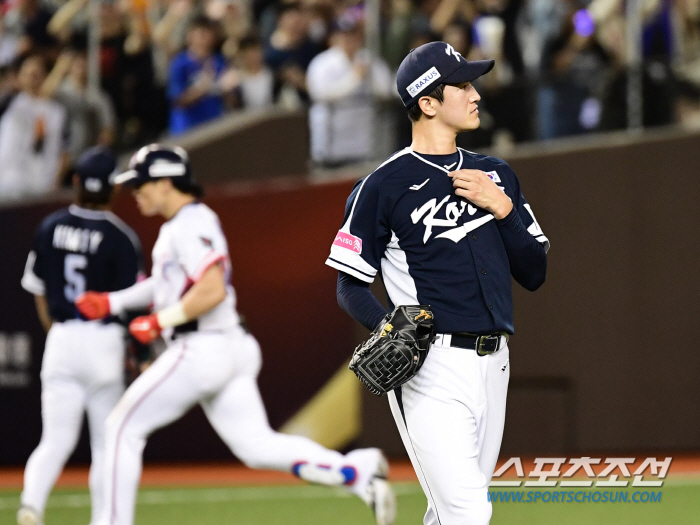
x,y
432,64
96,169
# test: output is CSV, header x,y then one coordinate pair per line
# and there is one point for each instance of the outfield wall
x,y
604,357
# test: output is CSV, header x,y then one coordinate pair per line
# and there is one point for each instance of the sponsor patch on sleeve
x,y
348,241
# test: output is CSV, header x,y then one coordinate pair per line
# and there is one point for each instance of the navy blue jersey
x,y
76,250
433,247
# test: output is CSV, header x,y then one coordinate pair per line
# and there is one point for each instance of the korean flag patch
x,y
493,176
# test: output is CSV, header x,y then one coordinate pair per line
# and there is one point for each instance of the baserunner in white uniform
x,y
82,247
210,359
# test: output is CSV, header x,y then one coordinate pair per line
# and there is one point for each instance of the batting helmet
x,y
154,162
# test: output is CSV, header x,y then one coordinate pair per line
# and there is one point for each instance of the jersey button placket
x,y
483,271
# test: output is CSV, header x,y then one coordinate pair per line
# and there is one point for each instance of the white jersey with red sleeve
x,y
188,244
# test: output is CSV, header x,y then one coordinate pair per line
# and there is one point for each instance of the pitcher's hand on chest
x,y
478,188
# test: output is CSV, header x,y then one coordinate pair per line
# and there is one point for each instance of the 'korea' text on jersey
x,y
433,247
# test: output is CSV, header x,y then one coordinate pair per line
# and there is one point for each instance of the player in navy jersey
x,y
447,228
79,248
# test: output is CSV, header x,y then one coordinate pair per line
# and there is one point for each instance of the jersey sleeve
x,y
129,267
360,243
34,271
200,245
523,239
527,215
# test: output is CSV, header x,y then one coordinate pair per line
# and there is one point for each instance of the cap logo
x,y
449,50
93,185
423,81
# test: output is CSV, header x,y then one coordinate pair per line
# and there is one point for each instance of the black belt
x,y
107,320
483,344
193,326
185,328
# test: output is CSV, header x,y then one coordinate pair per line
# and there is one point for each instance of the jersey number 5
x,y
75,281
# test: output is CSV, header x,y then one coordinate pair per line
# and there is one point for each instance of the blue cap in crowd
x,y
432,64
96,169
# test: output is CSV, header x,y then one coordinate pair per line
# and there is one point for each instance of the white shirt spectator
x,y
257,90
32,139
341,118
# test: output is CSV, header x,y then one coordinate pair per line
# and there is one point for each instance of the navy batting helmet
x,y
156,161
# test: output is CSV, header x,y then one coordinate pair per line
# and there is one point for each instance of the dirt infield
x,y
233,473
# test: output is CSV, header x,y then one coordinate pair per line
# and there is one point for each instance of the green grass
x,y
314,505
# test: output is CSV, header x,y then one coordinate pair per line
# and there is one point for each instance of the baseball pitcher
x,y
447,229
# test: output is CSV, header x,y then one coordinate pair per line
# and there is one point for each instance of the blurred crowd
x,y
170,65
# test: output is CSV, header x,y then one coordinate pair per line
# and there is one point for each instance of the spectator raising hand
x,y
343,83
290,51
91,116
32,136
195,93
165,34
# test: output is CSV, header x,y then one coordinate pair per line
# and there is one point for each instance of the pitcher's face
x,y
460,109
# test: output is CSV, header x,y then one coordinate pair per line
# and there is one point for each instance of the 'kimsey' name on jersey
x,y
76,239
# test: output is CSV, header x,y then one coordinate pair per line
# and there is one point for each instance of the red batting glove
x,y
145,328
93,305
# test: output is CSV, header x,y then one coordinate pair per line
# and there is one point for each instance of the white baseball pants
x,y
218,371
82,370
451,418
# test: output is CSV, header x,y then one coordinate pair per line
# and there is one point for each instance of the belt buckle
x,y
481,340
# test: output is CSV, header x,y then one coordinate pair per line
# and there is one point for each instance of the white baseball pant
x,y
82,370
451,418
218,371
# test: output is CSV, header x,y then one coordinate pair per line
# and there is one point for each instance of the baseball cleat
x,y
383,501
371,485
28,516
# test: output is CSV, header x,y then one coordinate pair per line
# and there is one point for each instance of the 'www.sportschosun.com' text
x,y
572,496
